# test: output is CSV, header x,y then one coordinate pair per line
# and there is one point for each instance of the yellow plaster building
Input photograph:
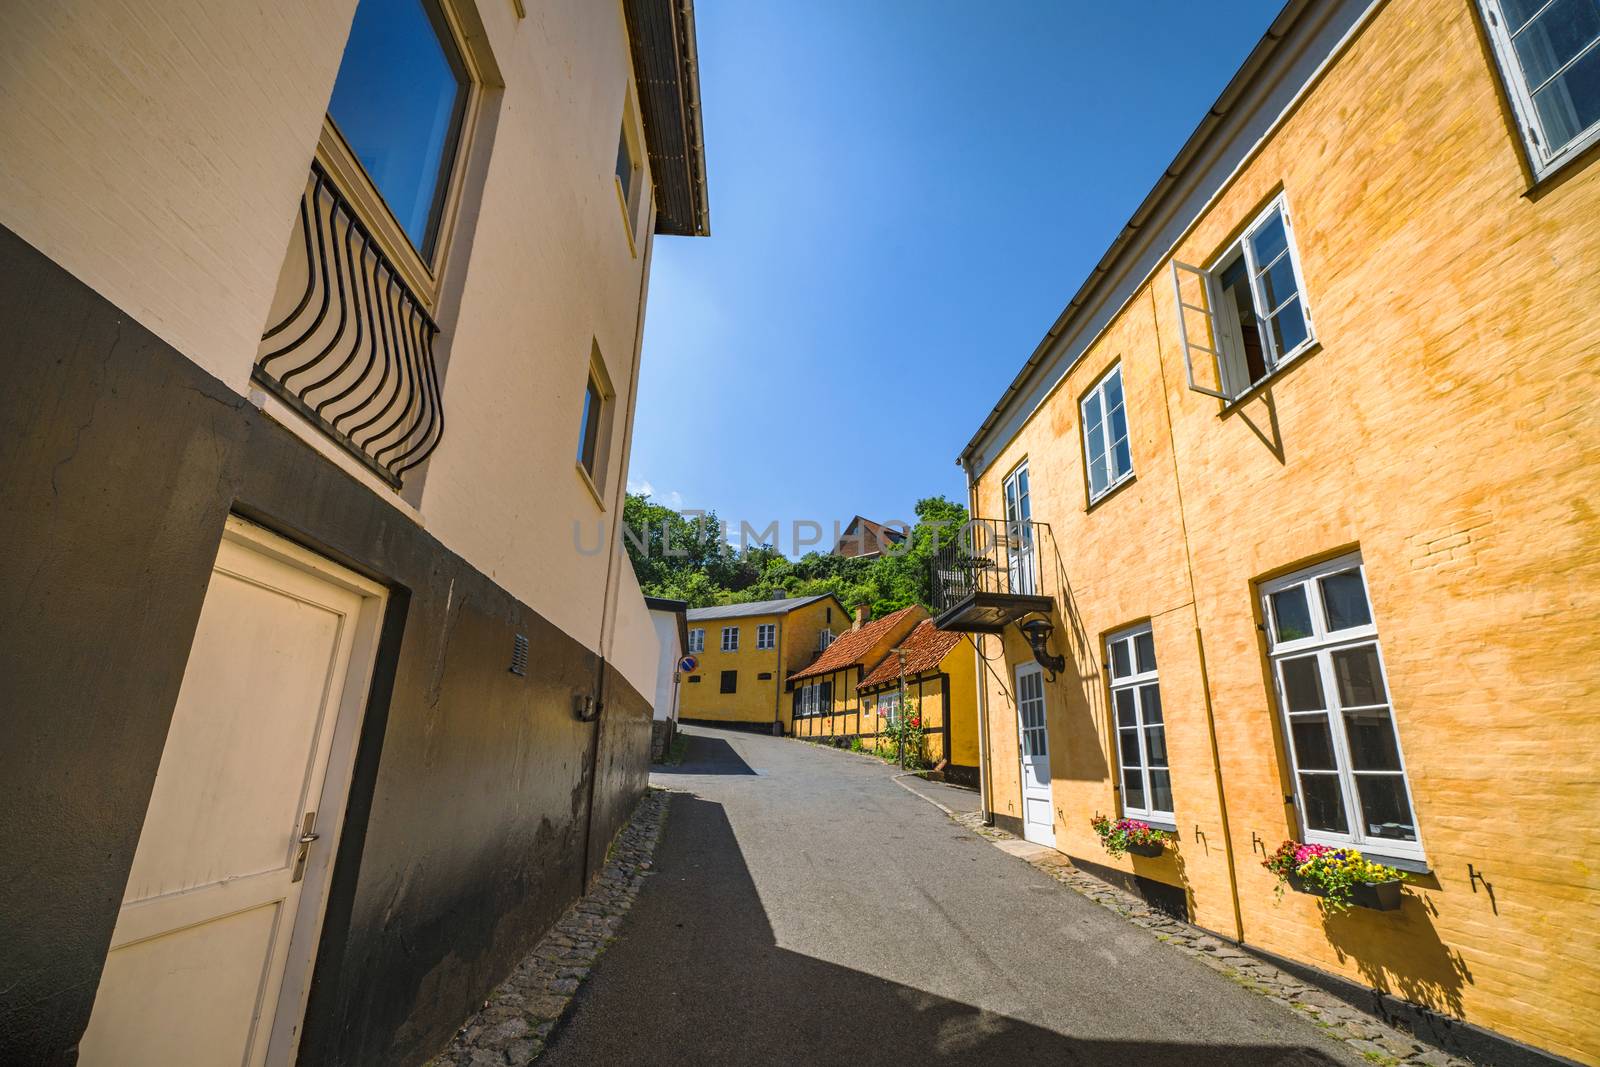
x,y
1302,482
854,688
746,651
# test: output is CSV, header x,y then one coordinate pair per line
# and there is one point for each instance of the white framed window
x,y
767,635
1145,783
814,699
1021,568
1549,57
1333,695
889,705
730,639
824,639
697,640
1106,453
1252,303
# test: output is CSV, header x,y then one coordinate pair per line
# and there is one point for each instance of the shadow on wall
x,y
1400,953
1079,752
703,917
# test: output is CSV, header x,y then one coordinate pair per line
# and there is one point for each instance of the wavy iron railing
x,y
993,556
354,354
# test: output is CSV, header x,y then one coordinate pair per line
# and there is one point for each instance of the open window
x,y
1549,53
1244,317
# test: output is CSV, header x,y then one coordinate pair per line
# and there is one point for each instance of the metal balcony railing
x,y
989,575
354,354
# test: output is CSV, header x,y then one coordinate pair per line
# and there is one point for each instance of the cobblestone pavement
x,y
1373,1039
519,1015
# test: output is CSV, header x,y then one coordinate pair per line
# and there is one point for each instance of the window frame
x,y
1321,643
728,684
633,196
1097,392
726,645
1530,128
1016,500
766,636
697,639
1136,682
825,637
422,272
596,472
1226,347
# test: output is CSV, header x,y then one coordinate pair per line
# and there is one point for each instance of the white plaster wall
x,y
157,149
666,625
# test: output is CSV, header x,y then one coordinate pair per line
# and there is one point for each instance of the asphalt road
x,y
808,910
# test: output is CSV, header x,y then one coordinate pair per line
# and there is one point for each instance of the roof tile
x,y
850,646
925,648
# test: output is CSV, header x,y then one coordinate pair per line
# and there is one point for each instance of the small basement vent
x,y
519,656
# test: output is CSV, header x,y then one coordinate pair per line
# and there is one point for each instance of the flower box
x,y
1129,836
1378,896
1343,878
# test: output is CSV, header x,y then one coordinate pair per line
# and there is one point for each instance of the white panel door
x,y
1033,743
227,877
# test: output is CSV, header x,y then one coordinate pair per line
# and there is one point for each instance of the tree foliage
x,y
690,559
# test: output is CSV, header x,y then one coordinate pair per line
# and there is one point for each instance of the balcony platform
x,y
989,613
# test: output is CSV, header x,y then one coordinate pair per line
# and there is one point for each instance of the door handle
x,y
308,834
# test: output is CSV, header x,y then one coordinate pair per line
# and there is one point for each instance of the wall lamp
x,y
1038,631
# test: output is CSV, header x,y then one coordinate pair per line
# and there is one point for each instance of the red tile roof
x,y
849,647
925,648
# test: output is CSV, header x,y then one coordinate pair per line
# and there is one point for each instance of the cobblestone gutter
x,y
1373,1039
520,1014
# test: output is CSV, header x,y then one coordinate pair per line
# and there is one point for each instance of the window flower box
x,y
1340,877
1129,836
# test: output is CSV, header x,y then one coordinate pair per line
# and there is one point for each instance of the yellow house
x,y
823,700
940,685
744,652
1296,501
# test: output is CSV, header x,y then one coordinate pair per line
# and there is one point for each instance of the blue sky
x,y
904,194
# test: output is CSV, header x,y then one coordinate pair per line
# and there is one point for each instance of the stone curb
x,y
520,1015
1376,1041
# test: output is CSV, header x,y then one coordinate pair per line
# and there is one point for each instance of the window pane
x,y
1358,676
1555,37
1113,390
1144,649
1160,791
1384,810
1132,789
1269,241
1128,747
1520,11
1289,328
1119,660
1313,744
1324,806
1370,738
397,101
1571,103
1291,613
1150,697
1091,411
1155,746
1123,459
1302,684
625,167
1277,282
1346,600
1099,476
1125,709
590,435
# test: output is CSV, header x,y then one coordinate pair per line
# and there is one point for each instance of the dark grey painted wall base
x,y
470,823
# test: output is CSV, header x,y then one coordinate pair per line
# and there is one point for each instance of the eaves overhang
x,y
667,72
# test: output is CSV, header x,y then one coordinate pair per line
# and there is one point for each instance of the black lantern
x,y
1038,631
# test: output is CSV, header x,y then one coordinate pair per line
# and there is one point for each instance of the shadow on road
x,y
697,978
706,755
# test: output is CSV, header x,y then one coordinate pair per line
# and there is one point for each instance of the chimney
x,y
863,613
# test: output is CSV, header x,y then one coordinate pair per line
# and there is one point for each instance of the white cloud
x,y
672,499
639,485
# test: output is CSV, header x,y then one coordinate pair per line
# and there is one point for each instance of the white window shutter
x,y
1190,346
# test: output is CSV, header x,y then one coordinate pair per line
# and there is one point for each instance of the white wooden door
x,y
212,950
1033,743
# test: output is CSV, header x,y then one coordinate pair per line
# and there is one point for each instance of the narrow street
x,y
808,909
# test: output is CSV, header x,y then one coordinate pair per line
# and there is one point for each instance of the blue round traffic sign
x,y
688,663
